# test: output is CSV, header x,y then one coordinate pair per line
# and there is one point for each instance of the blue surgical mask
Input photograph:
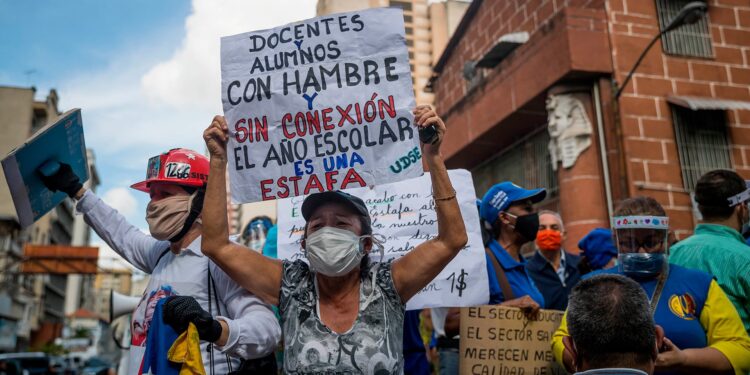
x,y
642,265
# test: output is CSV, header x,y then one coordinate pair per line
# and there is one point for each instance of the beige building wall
x,y
20,117
119,280
444,18
417,32
15,116
339,6
79,291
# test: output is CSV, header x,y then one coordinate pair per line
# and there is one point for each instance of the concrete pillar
x,y
575,150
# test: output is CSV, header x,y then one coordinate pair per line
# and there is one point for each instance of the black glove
x,y
63,180
179,311
428,135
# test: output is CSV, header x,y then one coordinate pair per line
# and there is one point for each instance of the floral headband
x,y
634,222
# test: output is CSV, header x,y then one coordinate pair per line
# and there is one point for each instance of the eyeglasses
x,y
632,245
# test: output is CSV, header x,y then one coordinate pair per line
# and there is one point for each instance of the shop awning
x,y
698,103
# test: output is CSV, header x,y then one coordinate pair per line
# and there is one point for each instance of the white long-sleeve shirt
x,y
253,329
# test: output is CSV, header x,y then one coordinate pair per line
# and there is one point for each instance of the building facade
x,y
118,280
527,90
427,28
32,307
79,291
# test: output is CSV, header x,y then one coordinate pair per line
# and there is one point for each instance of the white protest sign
x,y
322,104
404,213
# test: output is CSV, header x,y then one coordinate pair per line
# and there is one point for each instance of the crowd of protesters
x,y
635,302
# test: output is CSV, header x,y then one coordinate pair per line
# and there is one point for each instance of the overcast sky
x,y
145,73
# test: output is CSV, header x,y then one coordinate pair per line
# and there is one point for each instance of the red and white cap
x,y
179,166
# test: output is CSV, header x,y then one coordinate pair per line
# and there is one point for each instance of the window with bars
x,y
527,163
702,143
687,40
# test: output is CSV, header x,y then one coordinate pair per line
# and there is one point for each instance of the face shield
x,y
255,235
642,244
742,198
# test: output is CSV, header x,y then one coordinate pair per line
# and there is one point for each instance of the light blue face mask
x,y
642,265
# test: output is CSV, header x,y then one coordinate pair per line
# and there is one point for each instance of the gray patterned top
x,y
372,346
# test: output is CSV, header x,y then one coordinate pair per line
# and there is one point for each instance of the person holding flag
x,y
341,312
232,323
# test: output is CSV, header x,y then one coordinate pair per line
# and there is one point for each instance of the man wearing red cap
x,y
230,321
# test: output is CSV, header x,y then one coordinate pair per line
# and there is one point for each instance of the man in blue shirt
x,y
508,210
554,271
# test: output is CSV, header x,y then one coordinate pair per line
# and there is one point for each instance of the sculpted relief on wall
x,y
569,129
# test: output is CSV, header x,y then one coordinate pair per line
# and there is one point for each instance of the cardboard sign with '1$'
x,y
497,340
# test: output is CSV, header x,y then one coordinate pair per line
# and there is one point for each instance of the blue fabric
x,y
448,361
502,195
687,285
548,282
518,277
598,248
269,248
160,338
416,364
415,356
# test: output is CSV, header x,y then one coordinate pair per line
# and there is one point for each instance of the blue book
x,y
61,141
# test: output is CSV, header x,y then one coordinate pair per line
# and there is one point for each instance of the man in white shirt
x,y
232,323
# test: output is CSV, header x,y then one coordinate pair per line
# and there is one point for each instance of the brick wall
x,y
494,19
651,152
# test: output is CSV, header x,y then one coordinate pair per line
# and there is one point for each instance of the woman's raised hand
x,y
425,116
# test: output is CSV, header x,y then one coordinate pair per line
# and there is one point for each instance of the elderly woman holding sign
x,y
341,312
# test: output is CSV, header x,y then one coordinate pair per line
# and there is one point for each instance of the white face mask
x,y
334,252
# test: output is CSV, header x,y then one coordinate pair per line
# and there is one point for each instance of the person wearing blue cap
x,y
598,251
446,322
509,211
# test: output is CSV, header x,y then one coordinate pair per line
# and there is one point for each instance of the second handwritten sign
x,y
404,213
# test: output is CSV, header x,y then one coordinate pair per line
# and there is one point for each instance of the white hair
x,y
556,215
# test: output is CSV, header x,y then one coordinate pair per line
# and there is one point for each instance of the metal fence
x,y
526,163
